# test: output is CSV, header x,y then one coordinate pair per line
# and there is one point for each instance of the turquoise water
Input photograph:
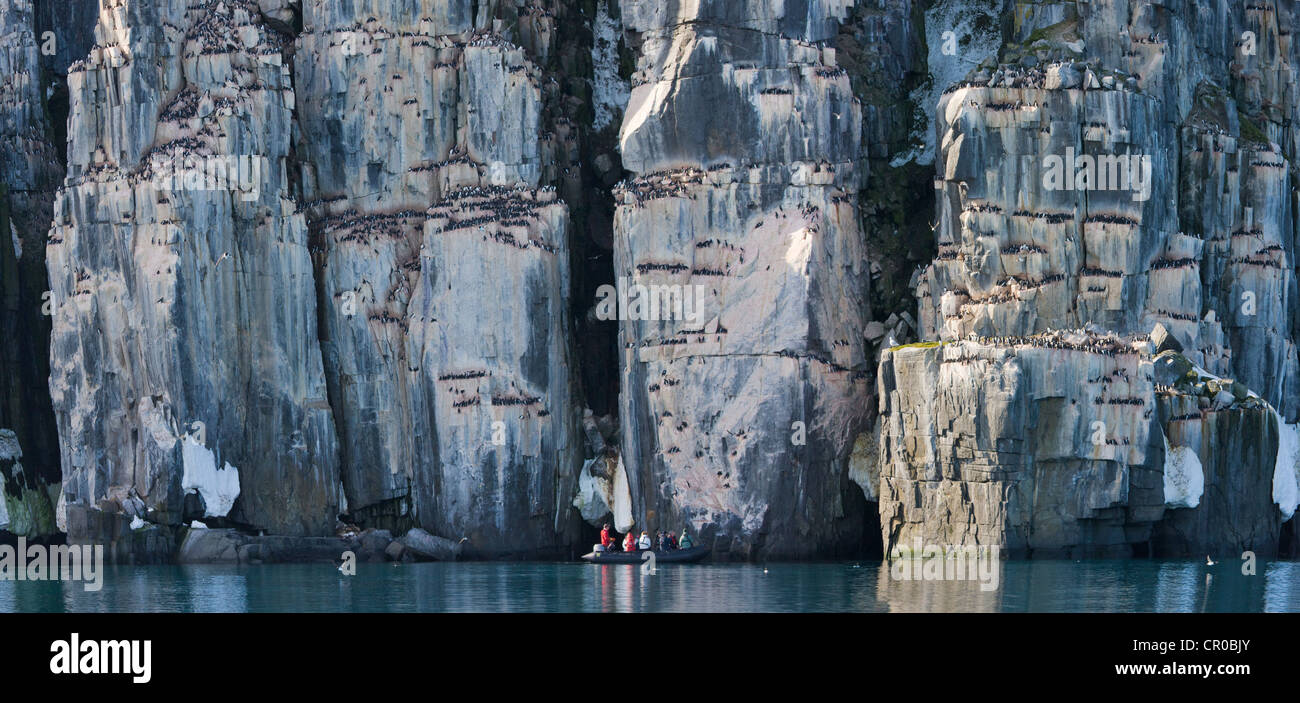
x,y
1032,586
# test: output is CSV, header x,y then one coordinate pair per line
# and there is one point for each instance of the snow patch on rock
x,y
1286,475
622,499
591,500
218,487
599,496
1184,477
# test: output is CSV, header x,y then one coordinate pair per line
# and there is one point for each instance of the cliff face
x,y
1065,445
996,444
499,268
185,344
1128,170
443,265
315,275
738,420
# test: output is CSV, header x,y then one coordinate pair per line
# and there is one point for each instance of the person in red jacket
x,y
605,540
629,543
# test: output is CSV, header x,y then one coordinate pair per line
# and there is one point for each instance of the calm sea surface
x,y
1025,586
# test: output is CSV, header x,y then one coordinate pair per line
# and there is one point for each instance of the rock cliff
x,y
184,343
441,250
1123,170
739,413
811,278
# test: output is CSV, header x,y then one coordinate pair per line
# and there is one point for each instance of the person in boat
x,y
629,543
605,540
644,542
661,539
672,540
685,542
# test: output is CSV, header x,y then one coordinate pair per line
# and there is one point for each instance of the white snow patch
x,y
219,487
799,252
137,522
591,498
1184,477
609,92
622,499
196,525
1286,475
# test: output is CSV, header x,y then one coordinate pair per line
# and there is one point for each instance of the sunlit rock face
x,y
442,260
1040,446
185,302
1063,445
1021,249
740,410
1212,230
1200,231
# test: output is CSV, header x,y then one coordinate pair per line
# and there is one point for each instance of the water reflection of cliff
x,y
1104,586
1023,586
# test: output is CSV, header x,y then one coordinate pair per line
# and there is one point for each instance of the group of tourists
x,y
663,541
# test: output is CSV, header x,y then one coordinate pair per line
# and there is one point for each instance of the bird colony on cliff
x,y
491,273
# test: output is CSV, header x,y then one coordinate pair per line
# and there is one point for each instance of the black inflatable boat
x,y
672,556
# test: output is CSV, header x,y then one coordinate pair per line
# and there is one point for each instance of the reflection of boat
x,y
672,556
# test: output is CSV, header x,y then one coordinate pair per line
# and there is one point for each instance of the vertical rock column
x,y
740,411
187,378
443,263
